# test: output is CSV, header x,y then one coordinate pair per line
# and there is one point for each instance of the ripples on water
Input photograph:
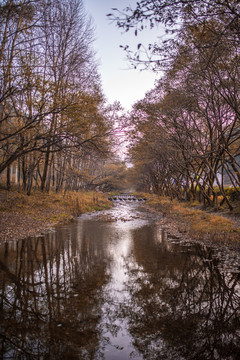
x,y
115,286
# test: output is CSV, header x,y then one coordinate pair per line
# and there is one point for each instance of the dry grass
x,y
52,207
199,224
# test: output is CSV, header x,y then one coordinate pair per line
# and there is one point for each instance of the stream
x,y
114,285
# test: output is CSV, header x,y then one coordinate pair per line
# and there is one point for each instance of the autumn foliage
x,y
55,129
185,140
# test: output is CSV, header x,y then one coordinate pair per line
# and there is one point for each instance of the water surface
x,y
115,286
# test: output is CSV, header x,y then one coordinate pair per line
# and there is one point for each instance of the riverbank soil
x,y
22,215
185,220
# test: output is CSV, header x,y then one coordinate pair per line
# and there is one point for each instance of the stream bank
x,y
22,216
188,221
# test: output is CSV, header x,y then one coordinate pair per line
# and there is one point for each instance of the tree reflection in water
x,y
182,306
51,291
116,290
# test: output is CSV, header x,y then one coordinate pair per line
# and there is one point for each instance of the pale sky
x,y
119,82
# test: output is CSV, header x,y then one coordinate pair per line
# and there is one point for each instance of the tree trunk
x,y
45,170
8,178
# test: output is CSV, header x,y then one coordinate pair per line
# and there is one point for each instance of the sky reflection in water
x,y
114,286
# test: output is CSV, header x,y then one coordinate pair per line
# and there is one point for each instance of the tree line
x,y
55,128
185,132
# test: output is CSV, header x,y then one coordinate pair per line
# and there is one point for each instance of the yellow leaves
x,y
83,118
203,32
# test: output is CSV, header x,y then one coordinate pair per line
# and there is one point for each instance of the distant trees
x,y
186,138
51,104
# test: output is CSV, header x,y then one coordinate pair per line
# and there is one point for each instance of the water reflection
x,y
51,295
182,306
104,289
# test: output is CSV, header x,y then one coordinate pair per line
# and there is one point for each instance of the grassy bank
x,y
199,224
53,207
22,215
